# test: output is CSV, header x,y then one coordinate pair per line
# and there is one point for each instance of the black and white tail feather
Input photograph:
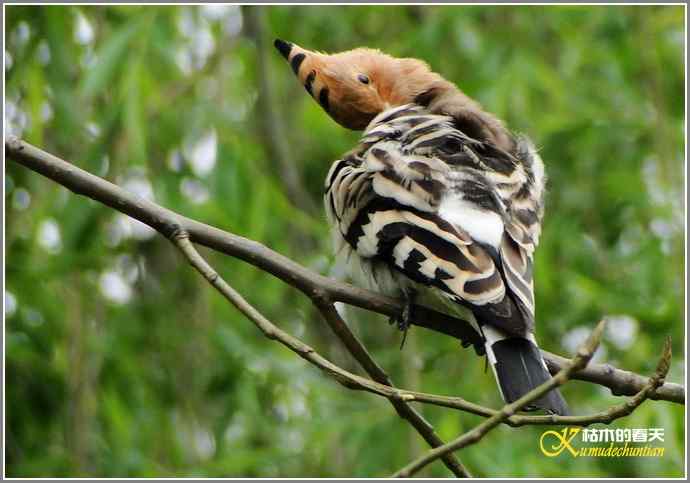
x,y
421,207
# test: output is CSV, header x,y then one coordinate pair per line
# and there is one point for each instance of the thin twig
x,y
606,417
385,389
581,359
161,219
181,240
584,355
324,292
360,353
619,381
614,412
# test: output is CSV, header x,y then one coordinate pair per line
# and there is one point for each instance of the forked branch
x,y
324,292
621,382
581,359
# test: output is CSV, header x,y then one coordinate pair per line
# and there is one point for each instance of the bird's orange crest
x,y
356,85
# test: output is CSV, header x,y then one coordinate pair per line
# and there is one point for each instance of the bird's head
x,y
356,85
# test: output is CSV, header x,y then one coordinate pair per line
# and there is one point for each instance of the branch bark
x,y
580,361
405,411
181,240
165,221
171,225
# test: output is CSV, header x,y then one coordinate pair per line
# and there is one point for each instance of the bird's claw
x,y
404,320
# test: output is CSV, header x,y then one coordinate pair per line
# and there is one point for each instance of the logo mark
x,y
562,442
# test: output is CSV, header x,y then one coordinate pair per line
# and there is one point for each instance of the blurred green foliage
x,y
122,362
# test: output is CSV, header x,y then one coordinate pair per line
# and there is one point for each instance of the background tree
x,y
120,363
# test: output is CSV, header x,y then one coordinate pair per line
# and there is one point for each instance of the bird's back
x,y
418,203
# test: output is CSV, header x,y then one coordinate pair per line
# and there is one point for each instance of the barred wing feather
x,y
447,212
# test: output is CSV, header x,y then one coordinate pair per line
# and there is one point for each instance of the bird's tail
x,y
519,367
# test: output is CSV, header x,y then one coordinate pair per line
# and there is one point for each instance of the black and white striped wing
x,y
417,196
524,201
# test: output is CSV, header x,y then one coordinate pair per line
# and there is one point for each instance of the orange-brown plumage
x,y
443,209
356,85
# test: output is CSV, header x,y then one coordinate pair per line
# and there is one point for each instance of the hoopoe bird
x,y
439,203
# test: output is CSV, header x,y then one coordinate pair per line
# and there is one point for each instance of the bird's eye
x,y
363,79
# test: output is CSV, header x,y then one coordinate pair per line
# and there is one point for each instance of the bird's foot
x,y
404,320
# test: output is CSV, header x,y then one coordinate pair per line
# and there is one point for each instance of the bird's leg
x,y
404,320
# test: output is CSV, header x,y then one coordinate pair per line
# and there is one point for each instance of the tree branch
x,y
583,356
619,381
613,412
360,353
172,226
166,222
180,239
581,359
